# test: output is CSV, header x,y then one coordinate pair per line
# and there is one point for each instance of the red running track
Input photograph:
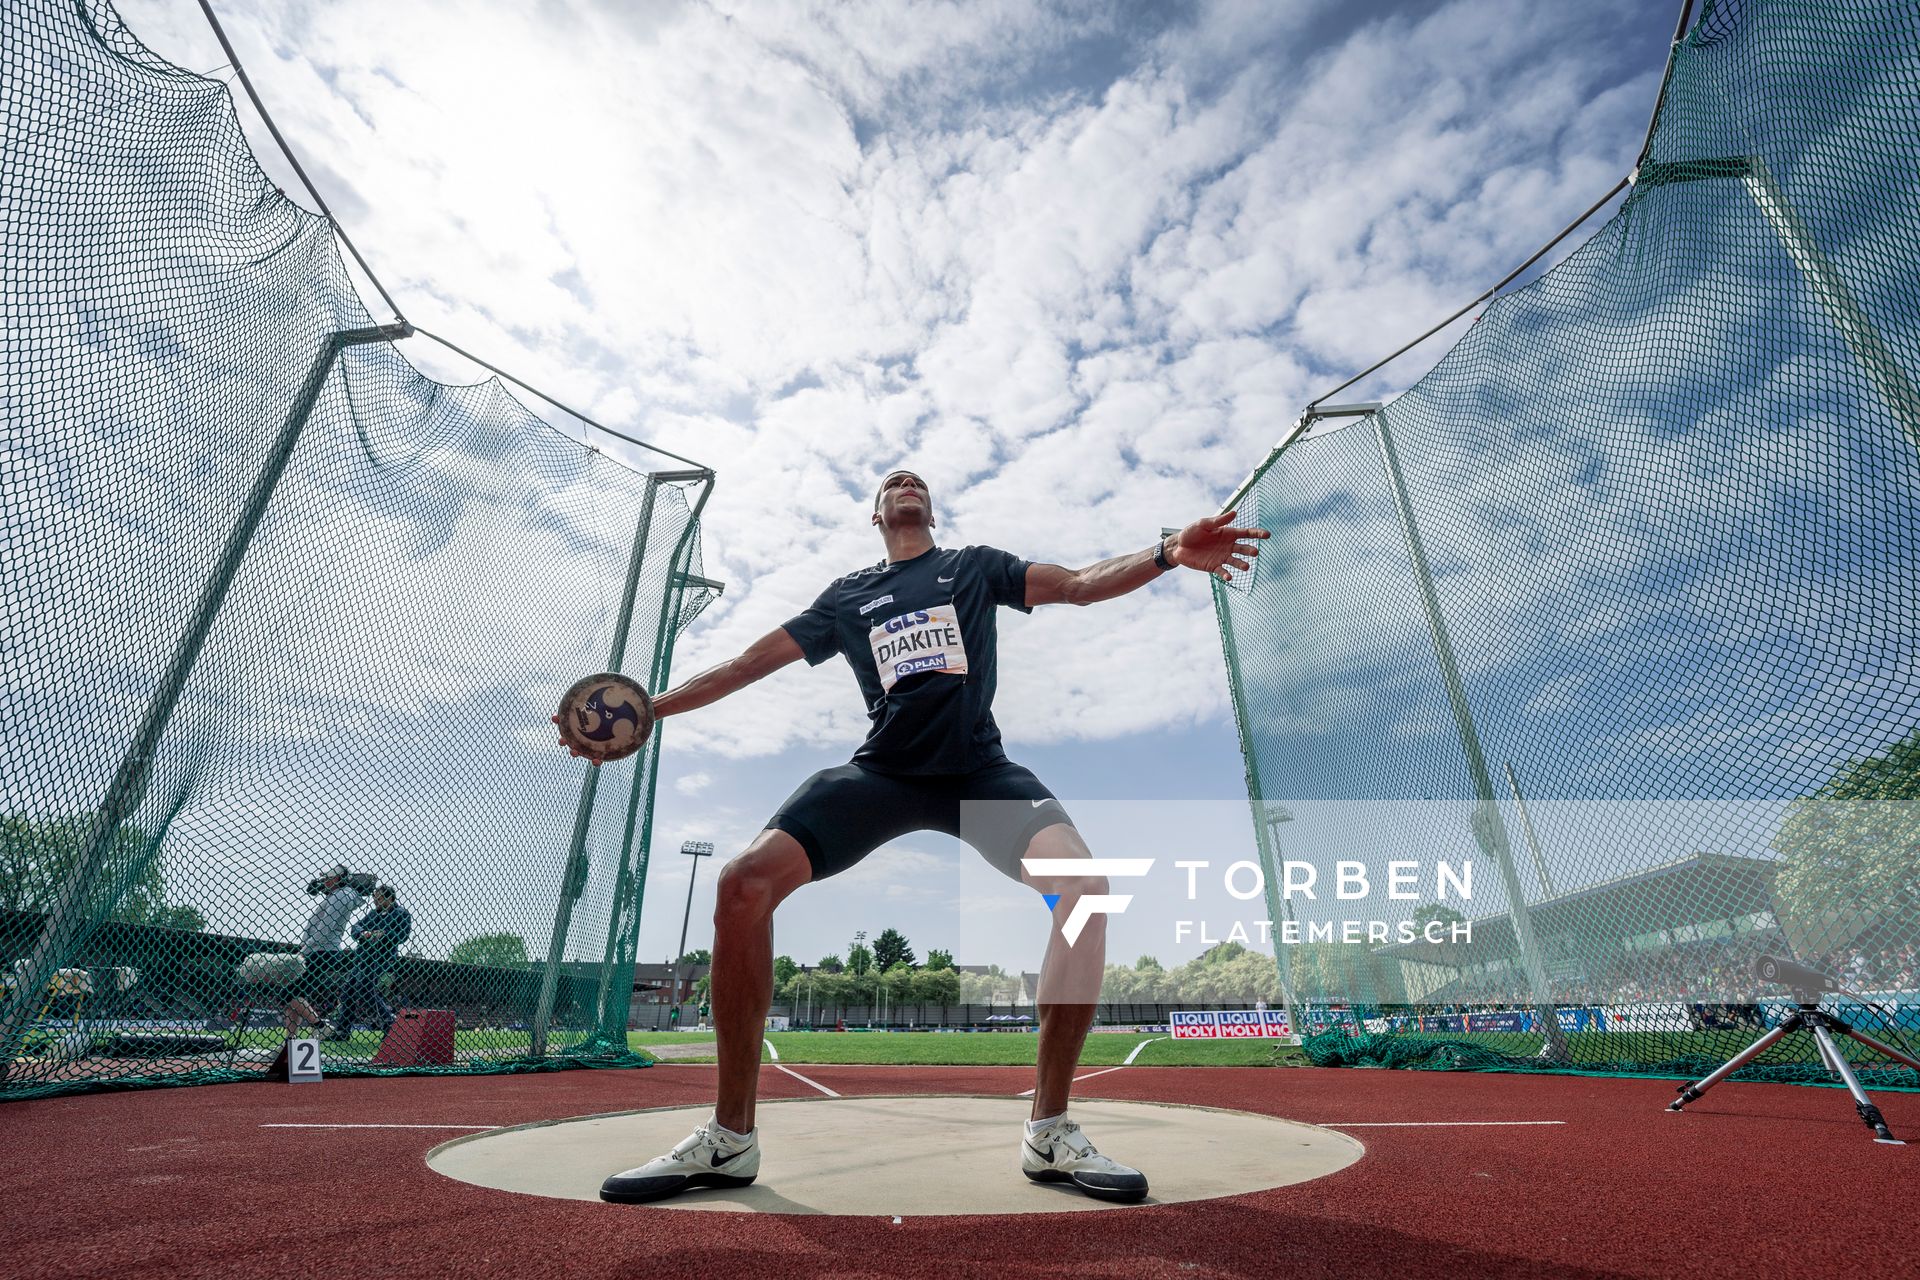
x,y
1752,1179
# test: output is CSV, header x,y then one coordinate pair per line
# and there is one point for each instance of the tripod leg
x,y
1828,1058
1869,1113
1885,1049
1690,1092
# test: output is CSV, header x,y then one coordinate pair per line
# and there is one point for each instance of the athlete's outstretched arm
x,y
1213,545
763,657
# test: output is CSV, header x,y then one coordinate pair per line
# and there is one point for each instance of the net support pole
x,y
1271,865
1824,281
1533,837
573,878
663,651
1489,828
67,916
633,869
1836,299
1262,835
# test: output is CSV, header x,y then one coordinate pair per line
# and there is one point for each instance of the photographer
x,y
322,945
377,936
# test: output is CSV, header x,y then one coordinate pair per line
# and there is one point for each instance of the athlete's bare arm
x,y
1213,545
763,657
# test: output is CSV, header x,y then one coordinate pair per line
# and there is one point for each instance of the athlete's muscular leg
x,y
751,886
1069,976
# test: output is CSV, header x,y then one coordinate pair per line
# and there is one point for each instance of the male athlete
x,y
918,629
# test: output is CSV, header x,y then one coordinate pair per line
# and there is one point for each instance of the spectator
x,y
377,936
322,947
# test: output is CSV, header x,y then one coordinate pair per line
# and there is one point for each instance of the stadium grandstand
x,y
1631,952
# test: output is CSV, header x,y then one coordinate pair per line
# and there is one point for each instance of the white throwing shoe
x,y
706,1158
1061,1153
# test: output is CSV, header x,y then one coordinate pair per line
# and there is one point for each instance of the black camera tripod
x,y
1822,1025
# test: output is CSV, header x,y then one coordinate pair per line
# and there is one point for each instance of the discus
x,y
605,717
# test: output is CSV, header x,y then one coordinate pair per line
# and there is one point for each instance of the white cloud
x,y
803,242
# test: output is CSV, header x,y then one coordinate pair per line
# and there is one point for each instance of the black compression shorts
x,y
840,815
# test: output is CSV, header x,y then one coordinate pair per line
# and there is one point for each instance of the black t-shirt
x,y
921,638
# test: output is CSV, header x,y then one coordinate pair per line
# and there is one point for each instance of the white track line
x,y
803,1080
1091,1074
1028,1093
379,1126
1137,1048
770,1049
1426,1124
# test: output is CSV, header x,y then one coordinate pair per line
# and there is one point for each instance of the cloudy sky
x,y
1077,264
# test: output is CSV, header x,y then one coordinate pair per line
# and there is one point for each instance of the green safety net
x,y
276,603
1617,605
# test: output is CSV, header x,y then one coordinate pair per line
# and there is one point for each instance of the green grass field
x,y
1596,1050
976,1049
1593,1050
1608,1047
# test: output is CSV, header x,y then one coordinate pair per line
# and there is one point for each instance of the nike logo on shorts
x,y
1038,803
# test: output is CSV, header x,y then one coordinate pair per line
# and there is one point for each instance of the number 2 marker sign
x,y
303,1062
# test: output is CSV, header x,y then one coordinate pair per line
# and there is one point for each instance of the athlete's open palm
x,y
1217,546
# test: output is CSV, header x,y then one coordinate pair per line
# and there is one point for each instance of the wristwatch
x,y
1160,554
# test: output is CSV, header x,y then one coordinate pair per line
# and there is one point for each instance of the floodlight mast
x,y
695,849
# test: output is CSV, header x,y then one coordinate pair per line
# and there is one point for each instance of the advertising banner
x,y
1229,1024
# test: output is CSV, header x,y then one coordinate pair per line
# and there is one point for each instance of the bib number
x,y
922,640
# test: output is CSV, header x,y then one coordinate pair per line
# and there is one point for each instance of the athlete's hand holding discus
x,y
605,717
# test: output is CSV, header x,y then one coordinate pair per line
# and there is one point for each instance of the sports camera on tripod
x,y
361,882
1808,985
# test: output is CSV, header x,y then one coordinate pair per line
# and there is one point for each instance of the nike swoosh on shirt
x,y
943,581
1038,803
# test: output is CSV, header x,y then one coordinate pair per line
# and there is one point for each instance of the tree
x,y
1850,852
859,959
702,956
1432,912
492,951
891,948
1148,964
987,988
938,959
830,964
936,986
37,856
177,917
784,968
